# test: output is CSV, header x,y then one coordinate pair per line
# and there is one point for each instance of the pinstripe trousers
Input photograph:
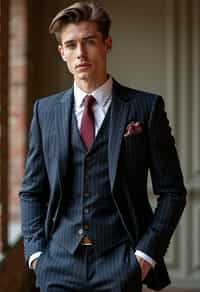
x,y
115,270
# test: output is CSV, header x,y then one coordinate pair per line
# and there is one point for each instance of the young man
x,y
86,219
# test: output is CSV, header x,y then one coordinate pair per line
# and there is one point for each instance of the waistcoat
x,y
89,207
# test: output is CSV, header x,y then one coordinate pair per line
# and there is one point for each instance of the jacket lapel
x,y
119,113
63,112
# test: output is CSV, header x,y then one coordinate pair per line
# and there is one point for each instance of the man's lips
x,y
82,66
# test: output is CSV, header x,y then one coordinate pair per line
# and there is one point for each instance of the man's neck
x,y
89,86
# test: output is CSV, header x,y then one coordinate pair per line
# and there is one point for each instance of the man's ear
x,y
108,43
61,52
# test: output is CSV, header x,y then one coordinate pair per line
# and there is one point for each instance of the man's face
x,y
85,52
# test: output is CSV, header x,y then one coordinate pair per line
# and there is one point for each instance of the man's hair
x,y
78,12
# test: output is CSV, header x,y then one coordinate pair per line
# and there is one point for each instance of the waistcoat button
x,y
86,210
80,231
86,226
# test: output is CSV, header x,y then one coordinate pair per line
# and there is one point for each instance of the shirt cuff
x,y
32,258
146,258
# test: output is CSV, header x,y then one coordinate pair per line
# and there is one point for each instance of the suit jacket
x,y
130,158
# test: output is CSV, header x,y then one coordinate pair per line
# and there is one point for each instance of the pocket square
x,y
133,128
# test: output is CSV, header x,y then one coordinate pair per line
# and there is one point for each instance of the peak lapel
x,y
119,113
63,113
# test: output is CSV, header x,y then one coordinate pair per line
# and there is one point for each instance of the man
x,y
86,219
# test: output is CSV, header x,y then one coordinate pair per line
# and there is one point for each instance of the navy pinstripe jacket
x,y
130,159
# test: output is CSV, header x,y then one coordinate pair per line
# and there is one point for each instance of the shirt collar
x,y
101,94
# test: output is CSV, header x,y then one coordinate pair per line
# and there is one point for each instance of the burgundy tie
x,y
87,129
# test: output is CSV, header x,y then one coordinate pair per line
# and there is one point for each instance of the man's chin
x,y
84,77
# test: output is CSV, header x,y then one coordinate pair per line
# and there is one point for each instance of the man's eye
x,y
70,46
90,41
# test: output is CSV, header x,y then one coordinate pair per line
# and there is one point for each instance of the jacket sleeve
x,y
34,193
167,183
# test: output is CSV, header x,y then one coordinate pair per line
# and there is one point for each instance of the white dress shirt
x,y
103,97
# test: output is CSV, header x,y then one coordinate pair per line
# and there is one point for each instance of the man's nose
x,y
80,51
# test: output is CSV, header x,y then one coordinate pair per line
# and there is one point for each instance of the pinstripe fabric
x,y
90,196
116,270
47,173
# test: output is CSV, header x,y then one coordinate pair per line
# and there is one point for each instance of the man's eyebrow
x,y
84,38
90,37
69,42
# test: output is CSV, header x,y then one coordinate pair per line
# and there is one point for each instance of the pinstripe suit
x,y
129,159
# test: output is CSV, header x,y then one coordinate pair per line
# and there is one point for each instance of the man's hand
x,y
34,264
144,266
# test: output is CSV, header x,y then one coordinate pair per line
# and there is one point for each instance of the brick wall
x,y
17,94
14,276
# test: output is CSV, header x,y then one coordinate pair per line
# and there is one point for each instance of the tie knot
x,y
89,100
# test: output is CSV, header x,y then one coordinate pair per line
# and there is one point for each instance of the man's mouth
x,y
83,65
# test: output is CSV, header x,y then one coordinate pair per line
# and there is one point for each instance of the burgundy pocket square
x,y
133,128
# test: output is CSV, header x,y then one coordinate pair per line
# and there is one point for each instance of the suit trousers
x,y
115,270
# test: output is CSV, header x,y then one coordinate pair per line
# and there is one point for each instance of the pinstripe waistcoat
x,y
88,207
